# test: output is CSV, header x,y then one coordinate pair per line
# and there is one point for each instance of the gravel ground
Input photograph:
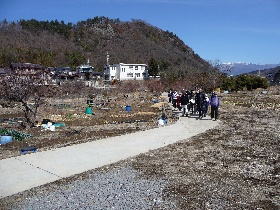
x,y
234,166
118,188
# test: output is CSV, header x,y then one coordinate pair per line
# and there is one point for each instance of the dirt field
x,y
235,166
109,117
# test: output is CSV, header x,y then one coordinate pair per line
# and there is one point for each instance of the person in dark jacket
x,y
170,92
184,104
215,104
199,100
205,105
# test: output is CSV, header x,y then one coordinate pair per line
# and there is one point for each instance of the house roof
x,y
5,70
63,69
26,65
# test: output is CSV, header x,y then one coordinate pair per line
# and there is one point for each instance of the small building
x,y
84,69
26,68
64,73
124,71
86,72
4,72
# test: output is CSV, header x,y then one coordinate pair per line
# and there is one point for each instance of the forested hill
x,y
53,43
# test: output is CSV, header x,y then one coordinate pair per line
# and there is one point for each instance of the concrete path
x,y
27,171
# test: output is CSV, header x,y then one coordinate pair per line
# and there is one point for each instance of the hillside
x,y
266,72
238,68
58,44
272,74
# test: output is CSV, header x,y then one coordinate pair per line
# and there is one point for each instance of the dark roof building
x,y
26,68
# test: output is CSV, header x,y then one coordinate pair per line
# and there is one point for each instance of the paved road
x,y
27,171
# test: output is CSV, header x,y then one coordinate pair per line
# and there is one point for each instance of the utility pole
x,y
107,58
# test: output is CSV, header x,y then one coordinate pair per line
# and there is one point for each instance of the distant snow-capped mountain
x,y
238,68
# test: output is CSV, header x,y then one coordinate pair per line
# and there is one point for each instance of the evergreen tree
x,y
153,67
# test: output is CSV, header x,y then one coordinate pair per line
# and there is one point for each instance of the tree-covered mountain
x,y
53,43
272,74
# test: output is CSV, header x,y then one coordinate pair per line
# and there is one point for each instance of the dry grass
x,y
235,166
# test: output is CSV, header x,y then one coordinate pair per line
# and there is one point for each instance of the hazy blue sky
x,y
225,30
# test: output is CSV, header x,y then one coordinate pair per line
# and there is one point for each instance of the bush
x,y
244,81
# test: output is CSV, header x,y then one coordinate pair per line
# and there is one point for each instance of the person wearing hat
x,y
215,104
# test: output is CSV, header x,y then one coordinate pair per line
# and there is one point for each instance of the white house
x,y
124,71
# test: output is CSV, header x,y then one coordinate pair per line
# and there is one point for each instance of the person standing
x,y
170,96
174,99
179,102
191,106
199,100
184,104
205,105
215,104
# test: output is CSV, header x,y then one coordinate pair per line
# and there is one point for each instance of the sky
x,y
216,30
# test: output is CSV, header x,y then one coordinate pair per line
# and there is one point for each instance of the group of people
x,y
195,102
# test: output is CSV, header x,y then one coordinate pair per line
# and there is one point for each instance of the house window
x,y
142,67
137,74
130,67
136,67
123,69
129,75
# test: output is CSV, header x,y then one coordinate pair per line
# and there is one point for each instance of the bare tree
x,y
216,71
24,89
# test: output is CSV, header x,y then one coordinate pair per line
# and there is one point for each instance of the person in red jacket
x,y
178,103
